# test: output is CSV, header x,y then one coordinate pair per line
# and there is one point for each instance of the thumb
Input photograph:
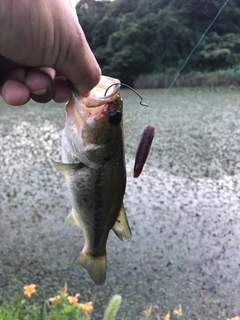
x,y
76,60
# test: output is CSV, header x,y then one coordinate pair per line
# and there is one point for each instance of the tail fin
x,y
96,266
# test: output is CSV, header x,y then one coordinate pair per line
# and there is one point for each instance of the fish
x,y
143,150
93,164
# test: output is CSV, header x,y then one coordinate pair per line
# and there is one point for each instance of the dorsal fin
x,y
121,226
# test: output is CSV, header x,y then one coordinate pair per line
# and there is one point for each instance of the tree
x,y
135,37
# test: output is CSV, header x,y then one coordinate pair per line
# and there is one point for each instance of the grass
x,y
193,79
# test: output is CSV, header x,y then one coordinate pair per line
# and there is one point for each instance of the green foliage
x,y
63,307
113,307
20,310
219,51
138,37
60,307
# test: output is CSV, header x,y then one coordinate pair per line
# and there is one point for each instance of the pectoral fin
x,y
72,218
121,226
63,167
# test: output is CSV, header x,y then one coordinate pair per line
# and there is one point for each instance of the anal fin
x,y
72,218
121,226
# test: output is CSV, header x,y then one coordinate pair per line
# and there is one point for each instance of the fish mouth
x,y
89,113
105,91
96,113
77,114
96,105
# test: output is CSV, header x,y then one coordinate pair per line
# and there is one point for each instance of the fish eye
x,y
115,117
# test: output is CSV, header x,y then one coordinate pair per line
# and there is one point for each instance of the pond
x,y
184,209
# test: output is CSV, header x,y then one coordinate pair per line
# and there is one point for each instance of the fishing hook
x,y
126,85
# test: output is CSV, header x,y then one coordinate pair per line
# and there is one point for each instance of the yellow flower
x,y
29,290
73,299
54,299
87,307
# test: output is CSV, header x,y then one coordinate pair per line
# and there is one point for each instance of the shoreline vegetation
x,y
61,307
220,78
66,307
136,39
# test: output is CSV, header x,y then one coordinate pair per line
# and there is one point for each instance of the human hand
x,y
42,46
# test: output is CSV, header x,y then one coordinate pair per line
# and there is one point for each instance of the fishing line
x,y
147,116
193,50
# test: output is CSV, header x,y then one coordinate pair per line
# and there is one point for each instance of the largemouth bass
x,y
93,164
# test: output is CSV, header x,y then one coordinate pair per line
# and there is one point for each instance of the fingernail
x,y
40,92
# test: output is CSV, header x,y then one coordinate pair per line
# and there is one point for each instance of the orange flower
x,y
167,316
87,307
54,299
73,299
29,290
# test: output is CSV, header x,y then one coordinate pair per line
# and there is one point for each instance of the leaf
x,y
69,309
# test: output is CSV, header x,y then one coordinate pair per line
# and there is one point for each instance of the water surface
x,y
184,209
